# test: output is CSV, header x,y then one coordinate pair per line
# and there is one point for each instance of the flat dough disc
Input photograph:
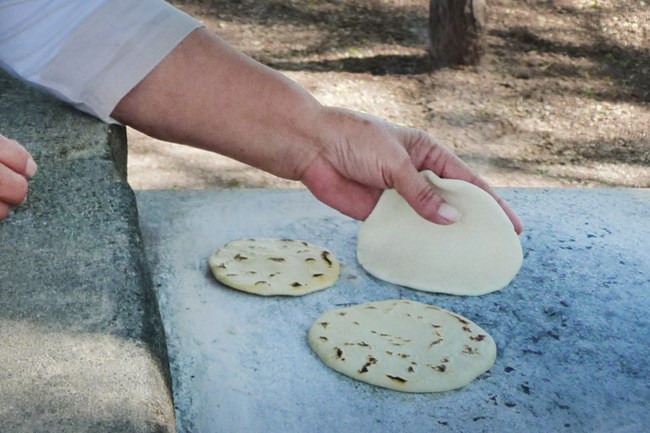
x,y
274,266
478,254
403,345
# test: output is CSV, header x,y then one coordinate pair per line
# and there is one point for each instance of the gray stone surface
x,y
81,344
572,329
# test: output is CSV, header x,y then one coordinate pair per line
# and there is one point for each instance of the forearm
x,y
208,95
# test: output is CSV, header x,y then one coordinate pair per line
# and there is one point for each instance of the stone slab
x,y
572,329
81,342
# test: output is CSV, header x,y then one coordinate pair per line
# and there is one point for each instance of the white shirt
x,y
90,53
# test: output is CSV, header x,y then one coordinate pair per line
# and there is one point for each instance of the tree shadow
x,y
342,24
608,61
376,65
531,169
607,151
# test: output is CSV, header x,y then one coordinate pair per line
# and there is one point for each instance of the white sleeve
x,y
90,53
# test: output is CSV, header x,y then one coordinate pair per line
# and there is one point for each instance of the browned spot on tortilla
x,y
461,320
325,256
470,350
397,379
364,368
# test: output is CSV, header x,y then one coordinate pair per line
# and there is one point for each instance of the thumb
x,y
423,197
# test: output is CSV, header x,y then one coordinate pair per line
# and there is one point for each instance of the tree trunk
x,y
457,32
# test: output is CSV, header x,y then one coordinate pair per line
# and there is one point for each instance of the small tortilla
x,y
478,254
274,266
403,345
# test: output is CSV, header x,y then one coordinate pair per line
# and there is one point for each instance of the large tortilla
x,y
403,345
478,254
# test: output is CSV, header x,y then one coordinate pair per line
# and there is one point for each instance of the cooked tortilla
x,y
403,345
274,266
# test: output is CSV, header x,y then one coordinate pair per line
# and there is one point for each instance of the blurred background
x,y
561,98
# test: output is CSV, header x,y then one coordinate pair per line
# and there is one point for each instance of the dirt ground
x,y
561,99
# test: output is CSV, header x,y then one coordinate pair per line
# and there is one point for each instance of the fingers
x,y
15,157
428,155
13,186
16,164
4,210
455,168
421,195
512,215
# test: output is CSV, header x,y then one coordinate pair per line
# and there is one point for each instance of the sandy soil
x,y
561,99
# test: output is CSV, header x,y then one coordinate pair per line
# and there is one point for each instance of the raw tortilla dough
x,y
478,254
403,345
274,266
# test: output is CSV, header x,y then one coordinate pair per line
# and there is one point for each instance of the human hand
x,y
362,156
16,165
240,108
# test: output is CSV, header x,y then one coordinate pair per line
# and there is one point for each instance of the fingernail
x,y
30,169
448,212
